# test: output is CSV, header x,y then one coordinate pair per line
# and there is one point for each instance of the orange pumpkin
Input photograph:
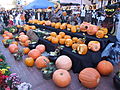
x,y
10,35
26,44
55,40
74,39
23,38
57,25
34,53
29,61
14,42
26,50
80,41
62,41
84,26
48,23
100,34
41,62
18,26
67,37
32,27
89,77
105,67
6,37
63,62
59,37
61,78
92,29
73,29
68,42
53,24
41,48
6,32
69,26
105,30
94,46
53,34
49,38
22,33
62,34
62,27
74,46
82,49
13,48
30,21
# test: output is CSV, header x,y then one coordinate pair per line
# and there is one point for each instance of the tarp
x,y
37,4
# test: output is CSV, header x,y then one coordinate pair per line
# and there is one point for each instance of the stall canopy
x,y
37,4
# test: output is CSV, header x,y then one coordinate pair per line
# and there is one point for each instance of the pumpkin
x,y
41,48
26,44
84,26
62,34
89,77
62,41
10,35
53,24
18,26
23,38
26,28
55,40
49,38
63,27
14,42
6,32
30,21
94,45
82,49
48,23
69,26
105,30
58,37
26,50
80,41
67,37
42,62
105,67
100,34
29,61
22,33
68,42
6,37
57,25
32,27
63,62
74,39
61,78
13,48
53,34
74,46
92,29
34,53
73,29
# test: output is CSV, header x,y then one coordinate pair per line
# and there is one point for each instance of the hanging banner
x,y
70,1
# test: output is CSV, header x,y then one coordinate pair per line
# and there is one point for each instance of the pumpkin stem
x,y
61,73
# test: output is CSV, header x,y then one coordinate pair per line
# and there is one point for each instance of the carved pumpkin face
x,y
74,46
68,42
53,34
62,34
62,41
73,29
53,24
92,30
94,45
57,25
55,40
69,26
84,26
74,39
82,49
100,34
67,37
105,30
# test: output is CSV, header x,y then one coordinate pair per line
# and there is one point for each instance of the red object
x,y
1,60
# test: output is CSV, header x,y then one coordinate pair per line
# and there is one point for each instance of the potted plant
x,y
18,55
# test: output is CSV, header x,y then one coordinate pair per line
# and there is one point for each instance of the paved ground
x,y
34,76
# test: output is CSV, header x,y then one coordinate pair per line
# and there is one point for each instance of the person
x,y
5,18
11,19
64,17
94,17
27,16
78,19
83,13
18,19
22,17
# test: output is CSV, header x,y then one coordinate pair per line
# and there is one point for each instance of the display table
x,y
79,62
103,41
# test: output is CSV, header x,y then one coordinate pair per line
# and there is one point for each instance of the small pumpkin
x,y
53,24
80,41
6,32
10,35
68,42
22,33
41,48
89,77
34,53
26,44
23,38
49,38
74,46
73,29
67,37
64,13
69,26
26,50
29,61
48,23
100,34
53,34
74,39
94,46
32,27
57,25
42,62
105,67
62,34
55,40
14,42
13,48
61,78
82,49
62,27
105,30
62,41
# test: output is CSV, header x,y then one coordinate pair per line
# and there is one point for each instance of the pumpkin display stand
x,y
116,80
48,71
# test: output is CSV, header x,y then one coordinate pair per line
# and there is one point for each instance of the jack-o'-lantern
x,y
59,37
68,42
100,34
55,40
57,25
69,26
73,29
82,49
105,30
62,41
84,26
67,37
52,24
53,34
80,41
74,39
62,34
74,46
48,23
49,38
94,45
92,30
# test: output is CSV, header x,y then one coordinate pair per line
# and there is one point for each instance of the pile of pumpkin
x,y
77,44
100,32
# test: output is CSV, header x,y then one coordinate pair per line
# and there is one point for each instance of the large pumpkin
x,y
94,45
53,24
100,34
48,23
73,29
89,77
84,26
41,48
41,62
62,34
34,53
61,78
63,62
23,38
92,29
55,40
13,48
68,42
105,67
29,61
82,49
57,25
